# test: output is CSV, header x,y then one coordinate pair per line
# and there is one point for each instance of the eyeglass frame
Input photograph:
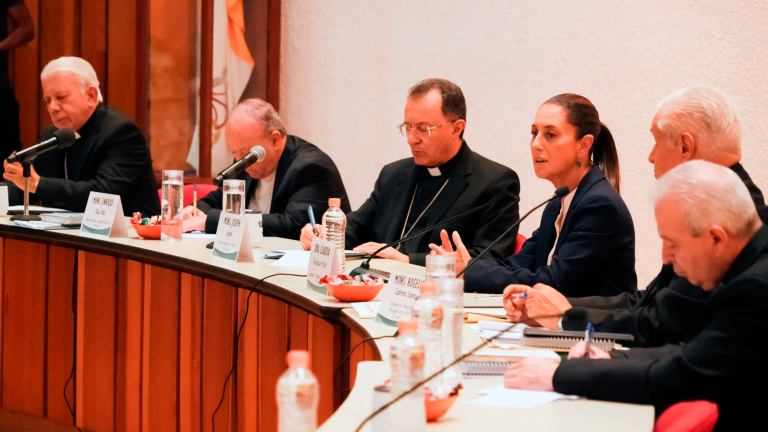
x,y
429,128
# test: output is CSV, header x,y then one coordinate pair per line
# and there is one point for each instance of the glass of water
x,y
172,205
234,197
440,266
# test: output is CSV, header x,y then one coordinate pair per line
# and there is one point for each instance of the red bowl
x,y
437,408
354,293
150,232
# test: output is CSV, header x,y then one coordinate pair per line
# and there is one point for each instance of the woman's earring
x,y
578,163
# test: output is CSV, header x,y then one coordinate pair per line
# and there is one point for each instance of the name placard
x,y
232,240
103,216
322,261
256,228
398,297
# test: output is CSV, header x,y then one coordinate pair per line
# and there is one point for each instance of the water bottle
x,y
407,366
428,313
297,395
335,225
451,297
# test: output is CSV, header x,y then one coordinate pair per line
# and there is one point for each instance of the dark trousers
x,y
9,124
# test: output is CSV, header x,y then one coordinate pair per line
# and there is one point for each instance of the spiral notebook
x,y
562,341
489,361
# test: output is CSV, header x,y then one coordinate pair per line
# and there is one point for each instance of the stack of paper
x,y
513,398
490,329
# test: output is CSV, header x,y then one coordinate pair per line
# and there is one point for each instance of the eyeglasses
x,y
419,130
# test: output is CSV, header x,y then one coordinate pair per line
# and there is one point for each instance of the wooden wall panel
x,y
96,344
2,307
273,345
26,69
121,69
93,38
129,361
248,363
219,318
190,354
24,323
60,338
160,398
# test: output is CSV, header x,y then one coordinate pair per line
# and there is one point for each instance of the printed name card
x,y
232,240
398,297
322,261
103,216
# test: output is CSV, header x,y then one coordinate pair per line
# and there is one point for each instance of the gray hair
x,y
81,70
707,114
709,194
262,111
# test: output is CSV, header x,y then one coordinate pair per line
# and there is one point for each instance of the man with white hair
x,y
697,122
110,155
711,234
293,176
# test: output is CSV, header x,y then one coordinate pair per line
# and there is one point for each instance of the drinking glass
x,y
172,205
234,197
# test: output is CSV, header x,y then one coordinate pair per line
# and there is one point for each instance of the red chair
x,y
519,243
202,191
693,416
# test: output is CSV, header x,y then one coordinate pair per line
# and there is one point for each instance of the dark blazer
x,y
663,312
594,255
721,359
473,181
111,156
305,177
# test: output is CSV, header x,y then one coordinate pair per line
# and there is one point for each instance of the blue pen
x,y
589,336
312,220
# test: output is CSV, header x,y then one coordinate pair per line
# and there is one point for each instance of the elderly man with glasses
x,y
442,179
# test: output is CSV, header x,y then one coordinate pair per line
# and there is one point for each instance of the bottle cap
x,y
427,288
334,202
409,325
297,359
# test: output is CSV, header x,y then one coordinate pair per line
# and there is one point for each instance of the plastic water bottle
x,y
451,297
407,363
335,225
428,313
297,395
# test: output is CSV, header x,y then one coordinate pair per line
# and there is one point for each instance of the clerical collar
x,y
93,121
446,168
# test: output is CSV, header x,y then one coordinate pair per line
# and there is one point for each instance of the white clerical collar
x,y
434,172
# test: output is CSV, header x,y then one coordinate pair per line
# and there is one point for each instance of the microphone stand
x,y
27,173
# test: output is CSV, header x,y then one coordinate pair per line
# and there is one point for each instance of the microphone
x,y
365,267
559,193
62,138
257,154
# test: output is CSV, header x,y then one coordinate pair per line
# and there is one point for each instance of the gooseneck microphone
x,y
559,193
62,138
257,154
365,267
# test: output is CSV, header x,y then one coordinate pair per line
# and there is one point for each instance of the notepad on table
x,y
562,341
489,361
64,218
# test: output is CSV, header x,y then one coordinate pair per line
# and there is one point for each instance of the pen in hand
x,y
589,336
194,199
312,221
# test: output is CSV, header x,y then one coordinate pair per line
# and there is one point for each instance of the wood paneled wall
x,y
137,347
111,34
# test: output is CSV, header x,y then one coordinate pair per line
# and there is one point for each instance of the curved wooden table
x,y
142,333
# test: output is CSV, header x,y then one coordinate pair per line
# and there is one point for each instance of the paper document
x,y
38,225
366,309
34,209
515,353
489,329
293,258
514,398
494,312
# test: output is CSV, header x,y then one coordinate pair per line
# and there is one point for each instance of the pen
x,y
523,295
589,336
194,199
312,220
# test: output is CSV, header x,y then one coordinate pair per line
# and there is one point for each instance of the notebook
x,y
489,361
63,218
562,341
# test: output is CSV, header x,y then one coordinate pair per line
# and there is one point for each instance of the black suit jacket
x,y
663,312
111,156
721,359
594,255
473,181
305,177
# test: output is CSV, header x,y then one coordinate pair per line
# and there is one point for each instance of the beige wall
x,y
347,65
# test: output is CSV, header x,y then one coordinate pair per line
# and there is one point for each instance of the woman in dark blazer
x,y
585,245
